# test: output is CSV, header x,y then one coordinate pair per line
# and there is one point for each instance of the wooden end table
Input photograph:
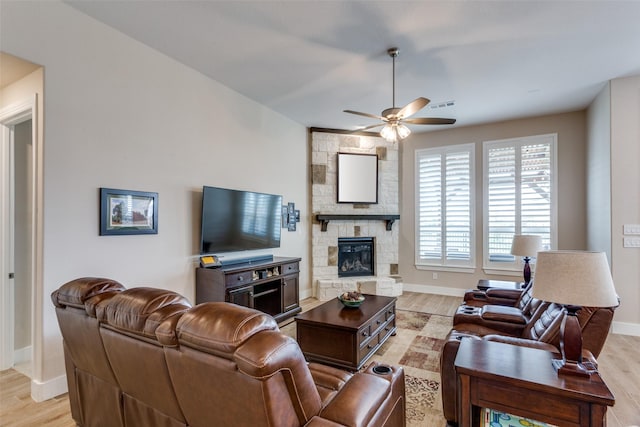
x,y
346,337
521,381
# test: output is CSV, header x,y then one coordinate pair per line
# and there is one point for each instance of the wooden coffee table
x,y
346,337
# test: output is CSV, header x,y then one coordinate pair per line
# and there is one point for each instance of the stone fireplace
x,y
356,222
356,256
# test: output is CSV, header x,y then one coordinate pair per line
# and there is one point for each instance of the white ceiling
x,y
309,60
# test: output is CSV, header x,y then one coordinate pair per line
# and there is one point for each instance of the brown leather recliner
x,y
230,365
542,332
94,393
214,364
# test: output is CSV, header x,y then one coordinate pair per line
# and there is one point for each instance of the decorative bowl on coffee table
x,y
351,303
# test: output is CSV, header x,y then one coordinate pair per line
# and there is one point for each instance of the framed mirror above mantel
x,y
357,178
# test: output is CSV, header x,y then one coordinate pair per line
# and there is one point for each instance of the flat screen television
x,y
235,220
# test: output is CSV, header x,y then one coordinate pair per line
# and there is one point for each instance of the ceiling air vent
x,y
436,105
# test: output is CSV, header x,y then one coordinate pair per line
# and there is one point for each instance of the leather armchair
x,y
542,331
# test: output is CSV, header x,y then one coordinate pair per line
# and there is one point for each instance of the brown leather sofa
x,y
541,331
144,356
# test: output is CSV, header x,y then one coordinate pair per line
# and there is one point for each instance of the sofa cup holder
x,y
382,369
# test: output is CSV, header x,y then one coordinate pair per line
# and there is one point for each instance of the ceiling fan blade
x,y
413,107
373,116
372,126
429,121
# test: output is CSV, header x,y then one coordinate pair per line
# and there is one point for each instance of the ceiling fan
x,y
395,119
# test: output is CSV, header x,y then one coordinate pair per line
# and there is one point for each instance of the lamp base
x,y
567,367
526,273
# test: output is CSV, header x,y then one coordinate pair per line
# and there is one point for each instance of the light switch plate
x,y
631,229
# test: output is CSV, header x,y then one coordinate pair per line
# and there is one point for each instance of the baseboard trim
x,y
430,289
622,328
41,391
625,328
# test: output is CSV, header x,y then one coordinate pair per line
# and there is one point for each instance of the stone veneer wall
x,y
324,150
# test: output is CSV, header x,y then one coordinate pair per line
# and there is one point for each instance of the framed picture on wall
x,y
128,212
357,178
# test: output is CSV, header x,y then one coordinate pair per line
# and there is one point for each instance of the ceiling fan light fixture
x,y
394,132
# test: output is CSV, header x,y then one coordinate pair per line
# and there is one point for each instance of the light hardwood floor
x,y
619,365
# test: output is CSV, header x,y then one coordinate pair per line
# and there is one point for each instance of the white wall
x,y
118,114
625,196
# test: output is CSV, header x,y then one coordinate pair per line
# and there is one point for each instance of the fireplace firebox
x,y
356,256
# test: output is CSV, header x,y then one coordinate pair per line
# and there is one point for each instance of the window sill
x,y
451,269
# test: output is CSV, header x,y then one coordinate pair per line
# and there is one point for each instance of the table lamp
x,y
574,279
526,246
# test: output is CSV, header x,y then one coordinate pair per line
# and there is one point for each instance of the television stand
x,y
268,285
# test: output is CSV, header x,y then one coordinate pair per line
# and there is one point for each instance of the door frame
x,y
10,116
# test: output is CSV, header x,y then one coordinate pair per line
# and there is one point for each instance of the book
x,y
493,418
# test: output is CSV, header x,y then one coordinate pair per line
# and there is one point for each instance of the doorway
x,y
17,228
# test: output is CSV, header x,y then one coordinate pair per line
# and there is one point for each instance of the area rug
x,y
416,347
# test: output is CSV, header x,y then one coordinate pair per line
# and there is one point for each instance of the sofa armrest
x,y
499,313
358,401
496,296
512,294
328,380
522,342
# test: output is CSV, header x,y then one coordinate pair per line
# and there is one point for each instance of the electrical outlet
x,y
434,276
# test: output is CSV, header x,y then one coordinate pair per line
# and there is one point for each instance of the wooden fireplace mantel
x,y
324,219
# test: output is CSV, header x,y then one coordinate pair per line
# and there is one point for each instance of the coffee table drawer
x,y
381,335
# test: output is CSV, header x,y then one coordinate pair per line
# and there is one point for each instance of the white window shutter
x,y
519,195
444,202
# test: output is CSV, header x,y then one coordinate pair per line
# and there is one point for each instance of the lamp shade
x,y
526,245
578,278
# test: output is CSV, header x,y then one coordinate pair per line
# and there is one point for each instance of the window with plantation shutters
x,y
444,206
519,196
